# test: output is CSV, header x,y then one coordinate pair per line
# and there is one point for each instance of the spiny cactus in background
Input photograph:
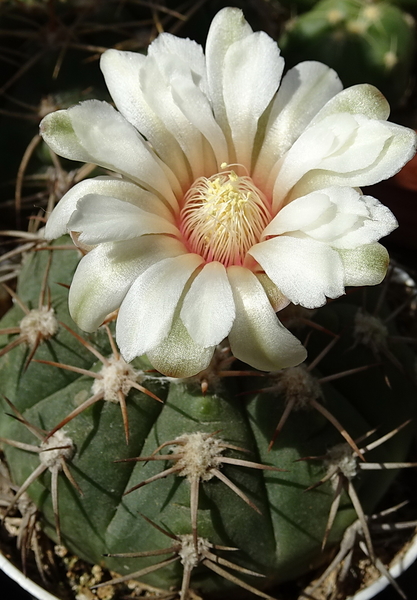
x,y
363,41
232,480
48,61
212,481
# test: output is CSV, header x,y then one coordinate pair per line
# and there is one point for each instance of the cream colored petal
x,y
208,309
275,296
362,99
106,273
340,216
379,222
146,314
299,214
398,149
342,149
252,72
227,27
304,156
186,51
155,81
197,109
306,271
95,132
178,355
57,223
101,219
304,90
257,337
59,217
121,72
328,141
359,150
366,265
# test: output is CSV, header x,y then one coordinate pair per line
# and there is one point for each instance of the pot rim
x,y
401,563
27,584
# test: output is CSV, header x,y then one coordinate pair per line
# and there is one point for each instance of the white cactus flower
x,y
236,192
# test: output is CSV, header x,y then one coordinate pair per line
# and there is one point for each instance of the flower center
x,y
223,216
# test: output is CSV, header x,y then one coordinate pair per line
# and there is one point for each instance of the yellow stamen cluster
x,y
223,216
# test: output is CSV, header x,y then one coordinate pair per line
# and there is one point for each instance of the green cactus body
x,y
370,42
283,539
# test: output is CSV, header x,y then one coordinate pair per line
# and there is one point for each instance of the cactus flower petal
x,y
193,358
339,216
365,266
362,99
110,270
304,282
58,220
304,90
210,294
256,57
106,219
147,312
235,193
95,132
257,337
342,149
